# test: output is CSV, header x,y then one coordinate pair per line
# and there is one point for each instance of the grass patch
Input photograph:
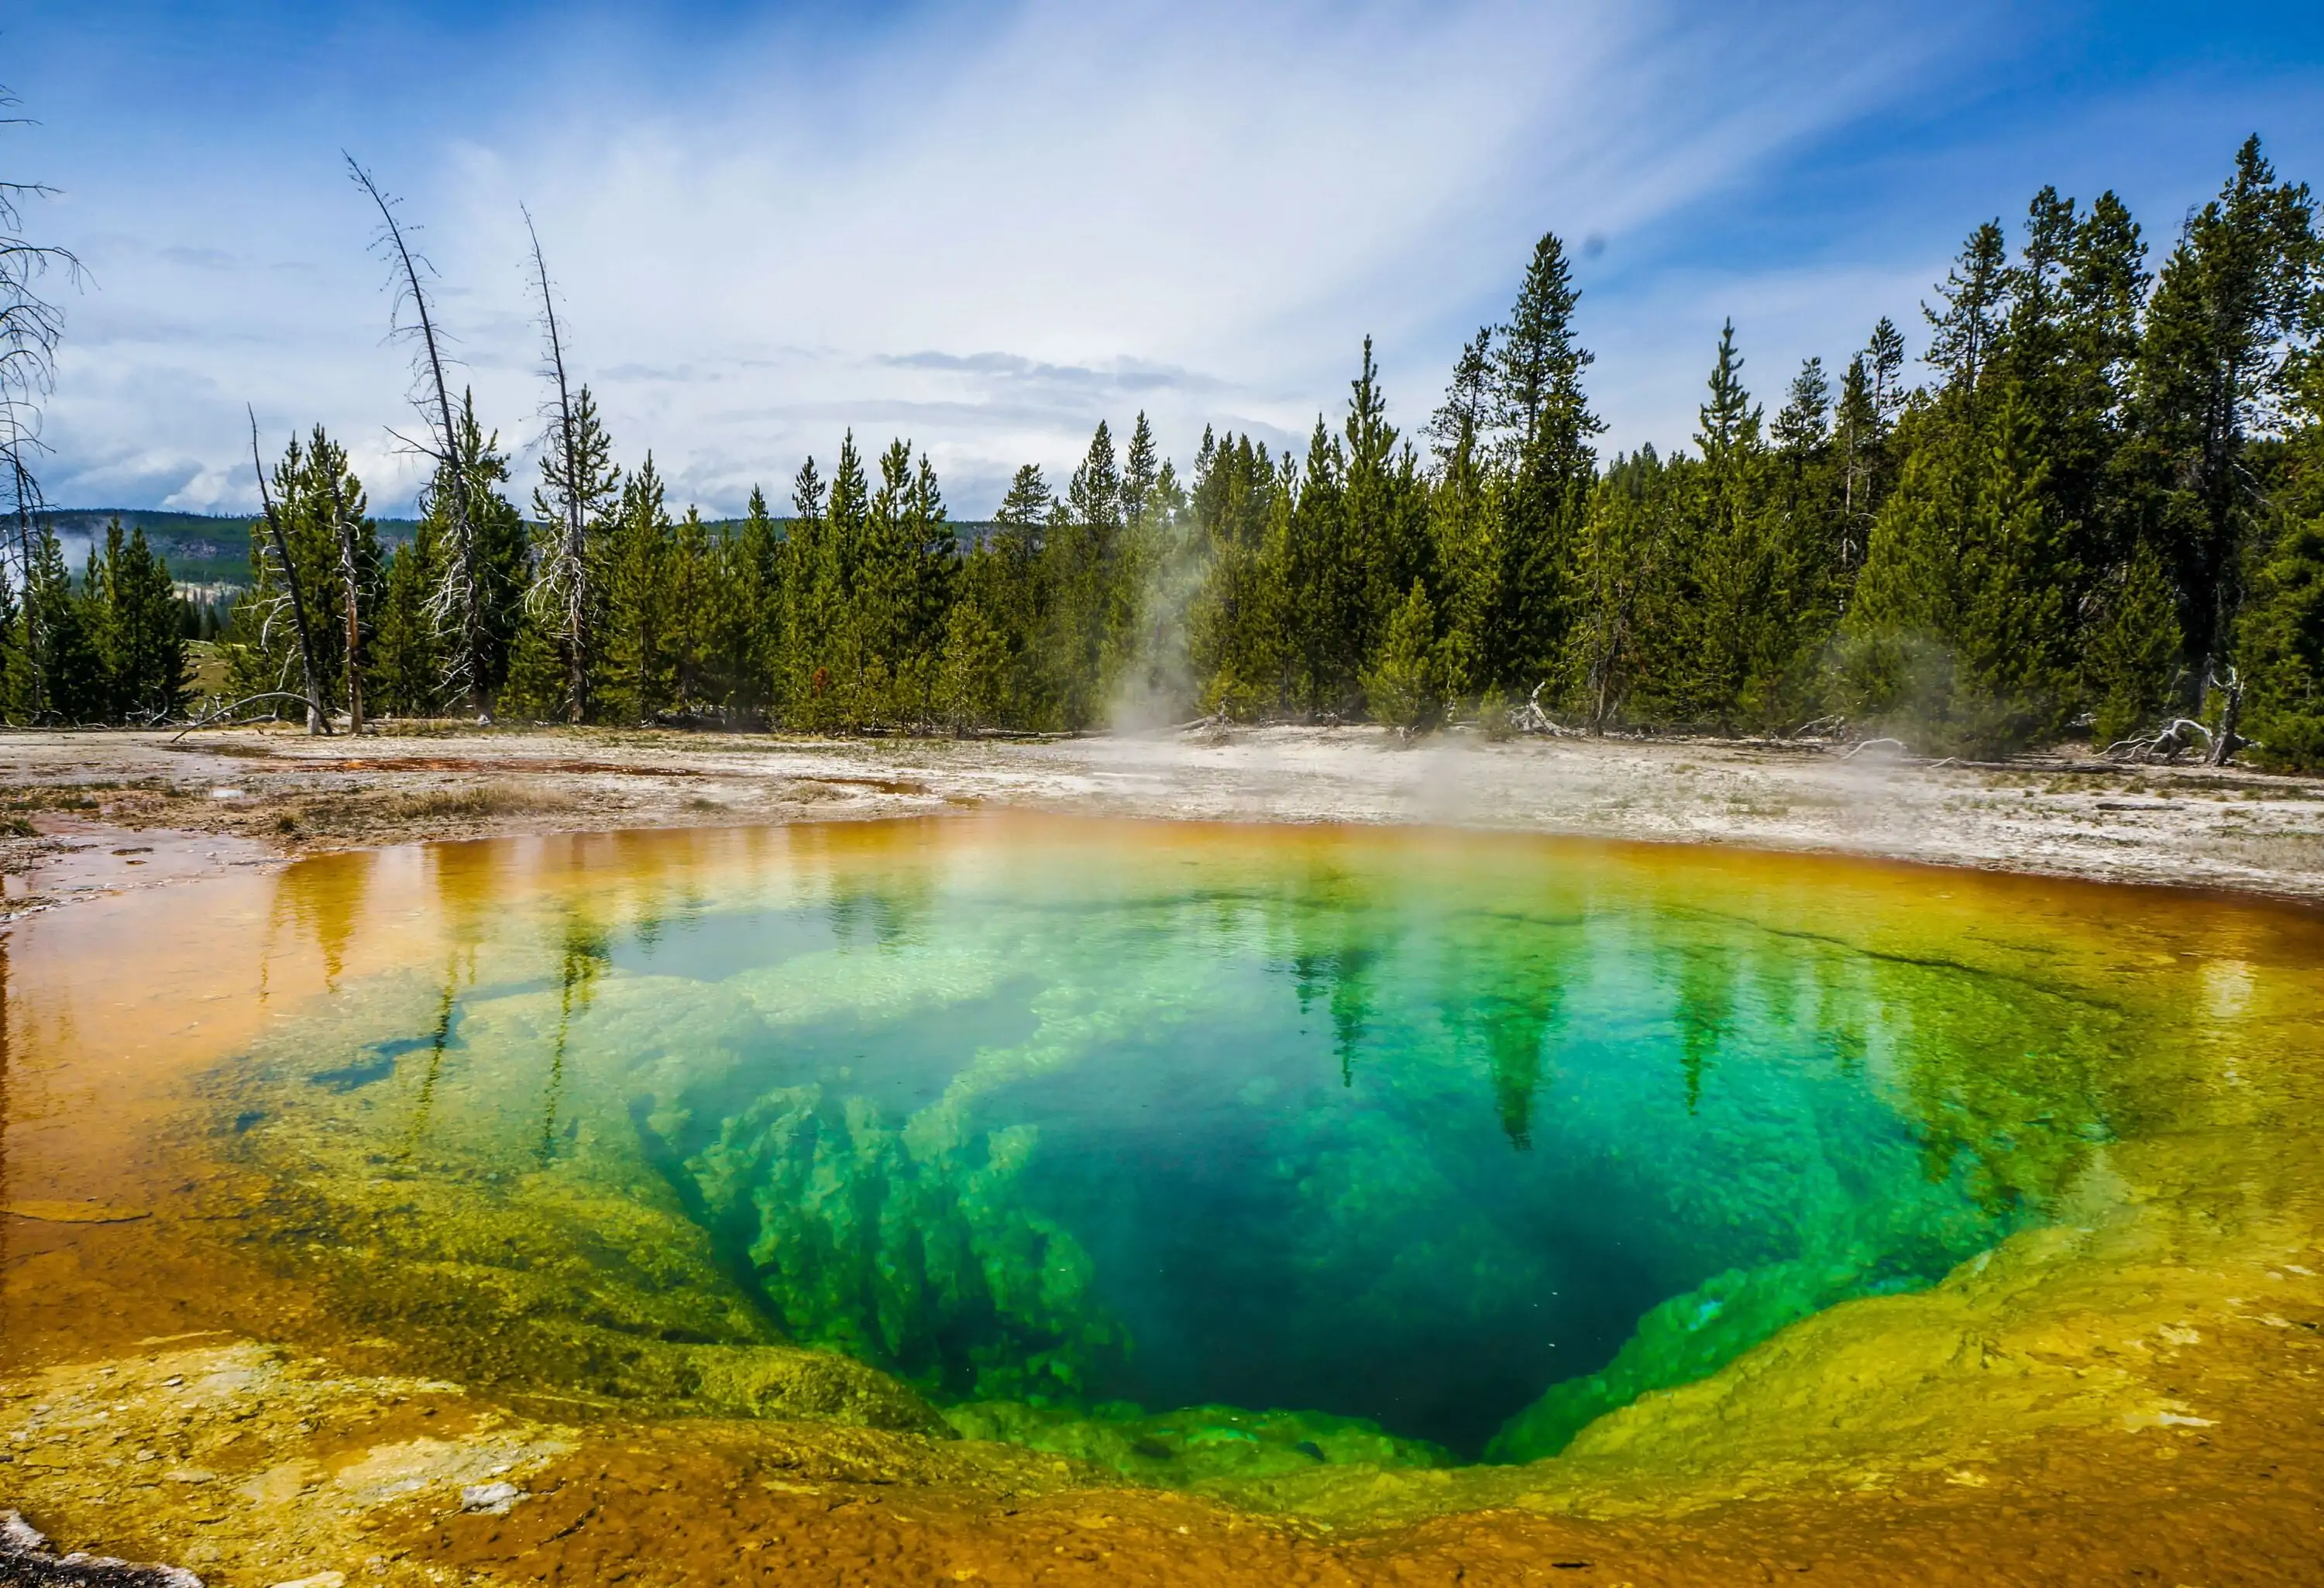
x,y
477,803
356,815
2276,852
51,798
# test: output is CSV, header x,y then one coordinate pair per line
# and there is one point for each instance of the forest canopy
x,y
2094,508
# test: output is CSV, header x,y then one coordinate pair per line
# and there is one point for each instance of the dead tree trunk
x,y
317,722
351,586
2223,744
572,559
462,592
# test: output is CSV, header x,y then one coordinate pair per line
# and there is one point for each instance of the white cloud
x,y
984,239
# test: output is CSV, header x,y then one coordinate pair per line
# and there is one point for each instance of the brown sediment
x,y
257,1470
2131,1395
469,763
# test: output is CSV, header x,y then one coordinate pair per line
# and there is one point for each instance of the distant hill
x,y
211,548
200,547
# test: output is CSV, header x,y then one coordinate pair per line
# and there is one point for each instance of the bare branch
x,y
459,597
31,327
317,721
565,571
226,713
350,581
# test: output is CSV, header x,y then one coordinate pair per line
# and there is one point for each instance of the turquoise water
x,y
1072,1128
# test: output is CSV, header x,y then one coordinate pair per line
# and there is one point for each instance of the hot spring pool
x,y
1183,1149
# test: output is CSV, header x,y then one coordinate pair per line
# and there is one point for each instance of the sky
x,y
986,227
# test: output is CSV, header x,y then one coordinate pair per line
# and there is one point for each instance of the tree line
x,y
2097,507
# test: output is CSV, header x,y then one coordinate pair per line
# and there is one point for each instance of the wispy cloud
x,y
986,230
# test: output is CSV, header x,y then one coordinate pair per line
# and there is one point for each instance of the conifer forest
x,y
2094,510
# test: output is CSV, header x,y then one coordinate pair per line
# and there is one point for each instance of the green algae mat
x,y
1203,1154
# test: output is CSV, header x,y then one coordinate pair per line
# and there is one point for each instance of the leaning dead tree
x,y
565,556
31,327
457,603
2181,734
1530,718
350,587
317,721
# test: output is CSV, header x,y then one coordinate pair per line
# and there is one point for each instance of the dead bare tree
x,y
351,589
1530,718
2224,743
565,559
2165,745
458,601
317,721
31,327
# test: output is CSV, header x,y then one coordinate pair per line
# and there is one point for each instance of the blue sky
x,y
986,227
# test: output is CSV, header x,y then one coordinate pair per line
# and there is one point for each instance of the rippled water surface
x,y
1160,1145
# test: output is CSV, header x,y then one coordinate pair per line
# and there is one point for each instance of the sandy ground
x,y
256,1467
220,798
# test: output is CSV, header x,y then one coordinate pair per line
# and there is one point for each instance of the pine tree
x,y
2131,648
70,678
2285,647
897,595
1964,335
14,671
2280,640
973,672
313,496
1139,470
1544,427
1884,354
1402,688
565,606
695,595
1017,598
931,553
1738,645
1861,434
2219,358
136,629
1962,633
536,691
325,516
814,589
1461,426
2105,288
457,605
2064,351
1090,609
1799,429
406,658
751,636
482,562
1620,568
1541,416
1387,539
1463,531
639,670
1804,502
1322,586
1232,646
